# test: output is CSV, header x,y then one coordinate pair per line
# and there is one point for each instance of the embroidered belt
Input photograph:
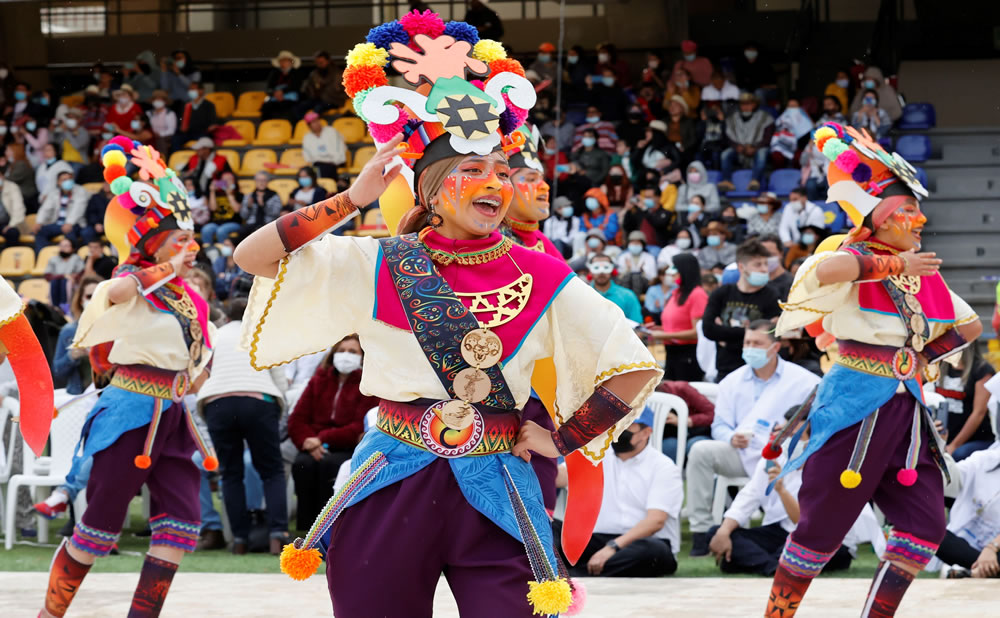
x,y
881,360
152,381
425,423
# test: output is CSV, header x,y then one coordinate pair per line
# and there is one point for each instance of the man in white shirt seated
x,y
323,147
757,550
637,533
798,213
751,401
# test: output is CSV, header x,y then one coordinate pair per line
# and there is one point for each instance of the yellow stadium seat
x,y
72,100
275,132
93,187
294,159
361,156
352,128
224,103
246,186
347,163
329,184
35,289
46,254
301,128
245,128
254,160
28,224
232,157
249,104
179,159
283,187
16,261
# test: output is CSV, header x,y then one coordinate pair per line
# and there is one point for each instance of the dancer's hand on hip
x,y
534,437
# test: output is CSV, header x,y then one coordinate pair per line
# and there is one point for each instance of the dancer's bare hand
x,y
987,564
721,547
374,178
534,437
920,264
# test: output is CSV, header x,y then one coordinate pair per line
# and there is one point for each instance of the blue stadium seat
x,y
922,176
714,176
742,178
783,181
914,148
885,142
918,116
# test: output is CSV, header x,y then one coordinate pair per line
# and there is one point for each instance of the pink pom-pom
x,y
122,141
126,201
861,174
478,83
847,161
428,23
382,133
578,596
520,113
907,477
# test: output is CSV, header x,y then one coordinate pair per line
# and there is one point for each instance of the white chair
x,y
709,389
8,408
344,472
64,436
722,485
662,404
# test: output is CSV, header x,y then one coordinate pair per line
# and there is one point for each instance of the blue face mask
x,y
755,357
608,81
592,204
869,84
763,209
588,142
635,249
44,101
20,95
107,135
66,185
757,279
192,94
31,126
808,238
714,241
694,207
593,119
870,101
180,63
544,58
567,212
572,59
305,181
593,243
649,202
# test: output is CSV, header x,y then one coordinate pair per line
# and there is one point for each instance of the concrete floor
x,y
208,594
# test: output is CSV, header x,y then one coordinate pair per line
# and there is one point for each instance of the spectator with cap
x,y
11,207
283,86
206,166
606,136
636,266
162,120
594,244
607,58
125,109
607,94
323,88
594,162
765,218
699,67
485,20
681,130
198,119
563,227
749,135
72,137
799,212
681,85
720,89
655,153
637,533
546,66
598,215
323,146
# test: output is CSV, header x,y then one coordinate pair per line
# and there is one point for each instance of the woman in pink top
x,y
680,315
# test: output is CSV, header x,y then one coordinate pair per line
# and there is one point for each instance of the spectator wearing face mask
x,y
780,279
652,215
21,105
546,66
124,110
813,163
73,138
658,293
754,73
594,162
599,216
606,136
681,85
680,315
139,130
260,206
563,227
681,130
636,266
839,88
309,192
799,212
283,86
712,129
765,219
749,133
637,533
95,112
323,147
655,73
809,237
699,67
887,98
11,208
655,154
575,73
561,129
593,244
178,74
224,202
683,243
552,157
871,117
617,187
226,270
607,58
717,249
62,213
142,76
48,170
198,119
607,94
34,137
60,272
162,120
791,134
720,89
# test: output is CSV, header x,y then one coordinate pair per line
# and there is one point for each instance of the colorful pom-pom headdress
x,y
468,97
527,154
142,208
862,175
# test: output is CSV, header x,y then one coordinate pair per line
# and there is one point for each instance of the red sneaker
x,y
50,512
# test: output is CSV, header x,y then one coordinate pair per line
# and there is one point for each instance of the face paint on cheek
x,y
450,189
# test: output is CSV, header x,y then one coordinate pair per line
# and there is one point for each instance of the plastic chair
x,y
722,485
246,186
93,187
245,128
72,100
783,181
361,156
17,261
741,182
64,436
329,184
231,156
249,104
662,404
283,187
179,158
914,148
714,176
352,128
29,223
299,134
918,116
294,159
709,390
254,160
9,407
42,259
35,289
223,101
922,176
274,132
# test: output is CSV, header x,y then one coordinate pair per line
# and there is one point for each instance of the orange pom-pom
x,y
211,463
363,77
822,141
506,64
143,462
113,171
299,564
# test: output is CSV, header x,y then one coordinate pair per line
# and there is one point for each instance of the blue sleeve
x,y
634,312
62,365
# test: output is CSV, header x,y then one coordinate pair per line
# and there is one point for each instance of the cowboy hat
x,y
716,226
282,55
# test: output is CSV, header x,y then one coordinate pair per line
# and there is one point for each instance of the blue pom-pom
x,y
461,31
508,122
109,148
136,143
386,34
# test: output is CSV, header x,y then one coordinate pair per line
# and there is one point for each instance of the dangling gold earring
x,y
433,219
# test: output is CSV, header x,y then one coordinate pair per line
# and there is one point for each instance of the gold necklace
x,y
472,258
523,226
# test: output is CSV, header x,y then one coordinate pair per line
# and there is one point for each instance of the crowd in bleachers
x,y
686,190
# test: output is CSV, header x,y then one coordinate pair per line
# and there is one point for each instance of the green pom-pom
x,y
171,173
833,148
121,185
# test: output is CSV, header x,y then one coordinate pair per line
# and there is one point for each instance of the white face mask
x,y
683,243
346,362
3,73
603,57
123,101
159,103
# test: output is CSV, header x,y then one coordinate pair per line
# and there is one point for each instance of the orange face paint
x,y
475,178
904,226
531,196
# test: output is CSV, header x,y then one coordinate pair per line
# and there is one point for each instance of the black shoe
x,y
211,539
699,544
147,531
67,529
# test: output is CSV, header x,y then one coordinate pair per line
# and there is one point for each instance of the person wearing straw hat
x,y
437,305
124,109
717,249
872,437
283,86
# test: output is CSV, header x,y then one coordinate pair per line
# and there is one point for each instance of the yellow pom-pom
x,y
824,132
850,479
297,563
114,157
551,597
488,50
366,54
211,463
142,462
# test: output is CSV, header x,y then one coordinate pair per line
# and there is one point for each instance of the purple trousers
x,y
172,478
828,510
388,552
545,468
